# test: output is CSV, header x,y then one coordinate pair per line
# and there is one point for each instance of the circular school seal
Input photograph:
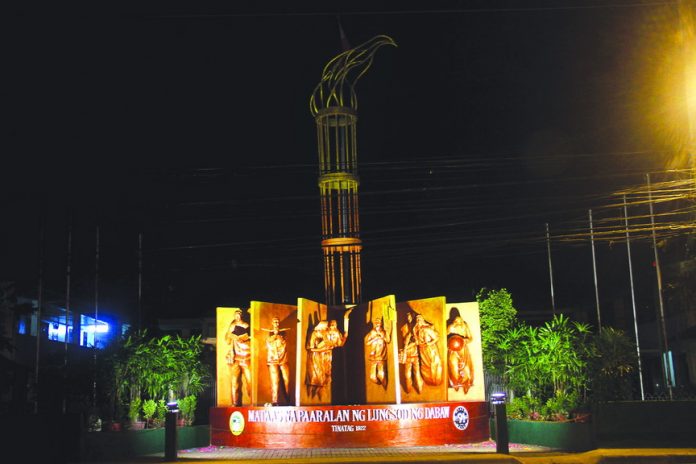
x,y
236,423
460,417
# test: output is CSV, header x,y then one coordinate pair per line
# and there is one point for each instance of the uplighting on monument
x,y
348,372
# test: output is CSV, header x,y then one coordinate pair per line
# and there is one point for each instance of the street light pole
x,y
666,362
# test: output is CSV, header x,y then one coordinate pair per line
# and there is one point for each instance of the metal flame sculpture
x,y
336,87
334,107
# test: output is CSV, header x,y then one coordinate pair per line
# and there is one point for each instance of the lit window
x,y
92,332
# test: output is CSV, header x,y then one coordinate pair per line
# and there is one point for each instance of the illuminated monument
x,y
334,106
347,373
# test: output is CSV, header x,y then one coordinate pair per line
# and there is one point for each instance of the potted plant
x,y
160,414
187,407
149,409
134,414
547,372
113,425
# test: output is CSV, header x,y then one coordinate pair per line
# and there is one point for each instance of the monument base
x,y
356,426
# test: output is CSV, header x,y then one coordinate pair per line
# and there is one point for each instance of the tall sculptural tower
x,y
334,106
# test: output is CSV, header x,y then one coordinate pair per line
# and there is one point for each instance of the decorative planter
x,y
181,422
570,436
109,447
114,426
137,425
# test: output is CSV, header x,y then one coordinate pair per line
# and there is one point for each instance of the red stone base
x,y
416,424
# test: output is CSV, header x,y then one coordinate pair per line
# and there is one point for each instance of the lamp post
x,y
501,429
170,437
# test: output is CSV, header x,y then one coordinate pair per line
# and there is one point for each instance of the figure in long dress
x,y
239,356
324,338
316,374
461,367
430,362
376,343
408,356
277,359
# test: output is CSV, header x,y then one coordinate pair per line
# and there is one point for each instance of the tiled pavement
x,y
221,453
477,452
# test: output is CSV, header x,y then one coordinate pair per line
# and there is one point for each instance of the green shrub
x,y
526,407
160,413
562,404
134,409
149,409
614,366
187,406
497,315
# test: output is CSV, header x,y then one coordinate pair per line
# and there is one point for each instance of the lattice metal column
x,y
338,187
334,107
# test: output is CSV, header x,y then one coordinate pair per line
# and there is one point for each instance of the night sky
x,y
191,124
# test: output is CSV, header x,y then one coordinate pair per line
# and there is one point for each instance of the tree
x,y
141,368
548,366
613,367
497,316
7,304
565,348
9,311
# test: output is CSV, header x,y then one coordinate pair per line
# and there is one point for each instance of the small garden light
x,y
170,433
501,430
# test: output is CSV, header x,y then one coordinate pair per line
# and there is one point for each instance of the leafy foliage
x,y
562,404
149,408
554,370
566,348
7,303
614,365
142,368
187,406
9,310
134,409
549,363
497,316
526,407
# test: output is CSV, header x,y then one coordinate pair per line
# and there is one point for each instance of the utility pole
x,y
96,316
666,361
68,270
140,281
594,273
39,298
548,251
633,300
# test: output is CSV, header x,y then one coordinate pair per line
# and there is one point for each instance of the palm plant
x,y
614,365
187,406
157,369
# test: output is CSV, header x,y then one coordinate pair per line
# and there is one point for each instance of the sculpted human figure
x,y
239,356
461,367
430,362
408,356
324,338
376,342
277,359
316,377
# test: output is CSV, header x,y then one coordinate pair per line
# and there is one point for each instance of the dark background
x,y
190,124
